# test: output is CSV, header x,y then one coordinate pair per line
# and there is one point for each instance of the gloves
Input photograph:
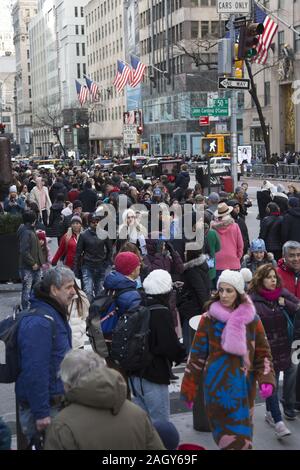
x,y
266,390
189,404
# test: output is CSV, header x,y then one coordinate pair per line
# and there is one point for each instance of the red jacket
x,y
66,251
290,279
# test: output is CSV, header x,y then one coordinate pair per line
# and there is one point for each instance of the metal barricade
x,y
257,169
270,171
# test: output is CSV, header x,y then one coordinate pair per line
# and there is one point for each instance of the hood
x,y
294,212
222,226
116,280
100,388
201,261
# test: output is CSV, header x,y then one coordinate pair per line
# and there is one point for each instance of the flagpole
x,y
289,26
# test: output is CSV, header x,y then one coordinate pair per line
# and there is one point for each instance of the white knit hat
x,y
13,189
236,279
158,282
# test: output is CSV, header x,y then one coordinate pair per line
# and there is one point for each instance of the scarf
x,y
233,338
271,295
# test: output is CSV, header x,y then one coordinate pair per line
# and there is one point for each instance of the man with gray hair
x,y
289,267
98,416
44,337
212,203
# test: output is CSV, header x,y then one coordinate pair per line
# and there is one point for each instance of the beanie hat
x,y
13,189
126,262
158,282
76,204
157,192
168,434
76,218
294,202
236,279
214,198
257,245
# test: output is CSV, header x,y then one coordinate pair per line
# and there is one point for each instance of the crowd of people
x,y
128,237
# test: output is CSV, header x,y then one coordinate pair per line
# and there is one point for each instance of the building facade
x,y
278,87
58,58
7,93
105,45
6,30
23,12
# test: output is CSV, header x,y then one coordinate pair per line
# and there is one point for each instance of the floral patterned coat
x,y
229,380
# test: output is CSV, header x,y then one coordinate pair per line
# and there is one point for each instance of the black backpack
x,y
9,335
102,320
130,340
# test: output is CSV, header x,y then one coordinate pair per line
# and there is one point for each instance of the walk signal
x,y
139,130
249,40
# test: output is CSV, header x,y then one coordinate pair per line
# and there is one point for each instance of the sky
x,y
5,17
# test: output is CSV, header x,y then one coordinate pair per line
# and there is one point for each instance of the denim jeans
x,y
289,391
29,279
27,421
151,397
93,279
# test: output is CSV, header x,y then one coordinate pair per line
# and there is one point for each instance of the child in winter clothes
x,y
230,349
78,312
45,250
258,256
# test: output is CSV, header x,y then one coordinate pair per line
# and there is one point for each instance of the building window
x,y
194,29
81,12
76,29
84,69
280,42
28,54
267,93
204,3
76,12
82,29
78,70
297,40
215,29
204,29
77,49
83,49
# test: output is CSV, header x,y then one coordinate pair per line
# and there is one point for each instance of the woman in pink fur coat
x,y
230,349
232,244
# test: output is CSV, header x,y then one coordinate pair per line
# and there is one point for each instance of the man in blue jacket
x,y
43,340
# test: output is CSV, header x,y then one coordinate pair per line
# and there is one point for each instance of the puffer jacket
x,y
182,180
97,416
290,279
77,322
127,300
275,325
232,245
40,354
196,289
250,263
270,232
290,229
53,229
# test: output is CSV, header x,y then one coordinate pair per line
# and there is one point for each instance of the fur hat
x,y
126,262
236,279
158,282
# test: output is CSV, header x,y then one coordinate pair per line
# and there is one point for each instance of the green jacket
x,y
29,247
99,417
214,246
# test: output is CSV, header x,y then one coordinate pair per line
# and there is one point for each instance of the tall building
x,y
23,12
275,82
58,58
7,92
6,29
105,45
179,38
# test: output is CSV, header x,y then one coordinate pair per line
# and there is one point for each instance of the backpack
x,y
9,335
102,319
130,340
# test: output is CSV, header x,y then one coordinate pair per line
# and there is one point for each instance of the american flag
x,y
93,88
123,76
137,72
82,92
265,39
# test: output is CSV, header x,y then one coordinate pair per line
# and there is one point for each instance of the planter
x,y
9,255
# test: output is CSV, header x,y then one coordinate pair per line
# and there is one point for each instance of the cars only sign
x,y
233,6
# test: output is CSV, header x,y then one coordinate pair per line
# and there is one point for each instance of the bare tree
x,y
50,117
197,49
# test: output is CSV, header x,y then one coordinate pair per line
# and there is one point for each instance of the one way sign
x,y
233,84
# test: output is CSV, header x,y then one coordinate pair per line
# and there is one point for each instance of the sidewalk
x,y
264,437
10,287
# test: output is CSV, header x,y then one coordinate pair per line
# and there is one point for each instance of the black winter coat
x,y
164,344
290,229
88,197
275,325
244,230
270,232
55,219
92,251
182,180
57,188
196,289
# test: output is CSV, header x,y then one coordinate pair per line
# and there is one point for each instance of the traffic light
x,y
238,64
2,128
77,125
139,130
248,40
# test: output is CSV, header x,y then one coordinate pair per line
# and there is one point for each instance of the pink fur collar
x,y
234,334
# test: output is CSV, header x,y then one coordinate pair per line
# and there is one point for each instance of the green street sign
x,y
216,111
220,103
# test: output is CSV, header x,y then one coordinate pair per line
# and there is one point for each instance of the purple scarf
x,y
271,295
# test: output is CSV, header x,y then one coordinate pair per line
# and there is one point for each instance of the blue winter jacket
x,y
127,300
40,356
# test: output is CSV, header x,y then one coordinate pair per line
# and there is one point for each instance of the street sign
x,y
233,6
220,103
204,120
210,112
239,22
233,83
129,134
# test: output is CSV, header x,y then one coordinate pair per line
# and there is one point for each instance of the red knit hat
x,y
126,262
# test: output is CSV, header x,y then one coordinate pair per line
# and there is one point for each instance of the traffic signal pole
x,y
233,125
